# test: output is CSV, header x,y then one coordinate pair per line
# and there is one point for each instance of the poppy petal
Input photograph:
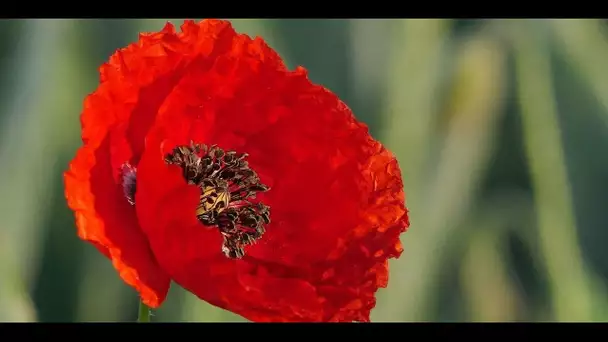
x,y
104,218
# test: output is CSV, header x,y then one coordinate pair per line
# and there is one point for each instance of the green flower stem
x,y
144,313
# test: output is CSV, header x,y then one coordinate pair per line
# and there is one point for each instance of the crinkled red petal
x,y
336,198
105,219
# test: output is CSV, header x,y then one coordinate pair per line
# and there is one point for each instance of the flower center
x,y
228,186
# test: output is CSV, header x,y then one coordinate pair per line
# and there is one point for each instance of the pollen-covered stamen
x,y
128,175
228,187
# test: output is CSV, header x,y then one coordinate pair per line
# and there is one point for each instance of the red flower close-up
x,y
206,162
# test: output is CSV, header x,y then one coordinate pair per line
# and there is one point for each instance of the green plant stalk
x,y
584,44
543,146
408,131
440,191
144,313
24,214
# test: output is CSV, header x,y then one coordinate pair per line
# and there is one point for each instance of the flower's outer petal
x,y
134,84
104,218
336,198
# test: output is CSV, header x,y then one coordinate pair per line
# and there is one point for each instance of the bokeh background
x,y
500,127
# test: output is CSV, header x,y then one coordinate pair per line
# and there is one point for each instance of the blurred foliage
x,y
499,127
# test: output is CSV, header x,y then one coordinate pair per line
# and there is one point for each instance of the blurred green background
x,y
500,127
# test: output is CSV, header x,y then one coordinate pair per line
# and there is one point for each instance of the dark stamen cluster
x,y
128,175
227,185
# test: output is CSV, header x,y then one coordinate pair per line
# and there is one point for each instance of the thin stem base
x,y
144,313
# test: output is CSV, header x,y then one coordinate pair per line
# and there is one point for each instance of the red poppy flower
x,y
206,162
